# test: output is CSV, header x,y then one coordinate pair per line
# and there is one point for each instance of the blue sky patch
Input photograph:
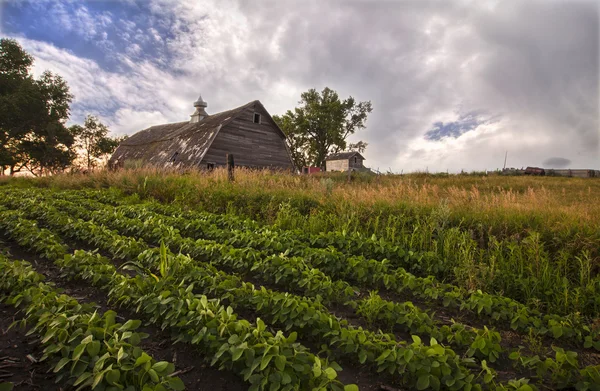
x,y
98,30
465,123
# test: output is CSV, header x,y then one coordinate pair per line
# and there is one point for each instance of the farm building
x,y
345,161
310,170
578,173
247,132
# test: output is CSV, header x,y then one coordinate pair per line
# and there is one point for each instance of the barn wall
x,y
336,165
358,164
255,145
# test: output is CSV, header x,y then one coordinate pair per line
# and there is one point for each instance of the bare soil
x,y
15,346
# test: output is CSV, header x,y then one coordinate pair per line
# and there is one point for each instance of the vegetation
x,y
321,125
357,272
33,113
92,139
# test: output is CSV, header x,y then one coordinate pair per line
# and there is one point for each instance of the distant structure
x,y
537,171
345,161
578,173
248,132
310,170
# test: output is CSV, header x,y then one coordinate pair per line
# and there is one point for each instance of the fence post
x,y
230,167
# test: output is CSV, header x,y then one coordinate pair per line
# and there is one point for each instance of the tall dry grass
x,y
534,238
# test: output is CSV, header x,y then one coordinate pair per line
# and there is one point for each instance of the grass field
x,y
309,282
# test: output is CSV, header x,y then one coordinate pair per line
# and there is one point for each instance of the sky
x,y
455,84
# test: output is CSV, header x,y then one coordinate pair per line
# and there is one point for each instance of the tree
x,y
93,141
33,135
321,125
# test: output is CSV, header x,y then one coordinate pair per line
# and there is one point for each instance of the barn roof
x,y
343,156
188,142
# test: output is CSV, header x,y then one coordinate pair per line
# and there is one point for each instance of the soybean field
x,y
107,291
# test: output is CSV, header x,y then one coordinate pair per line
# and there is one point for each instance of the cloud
x,y
465,123
557,162
454,84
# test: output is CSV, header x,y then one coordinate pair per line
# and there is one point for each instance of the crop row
x,y
420,364
267,361
546,365
513,274
483,344
240,232
86,349
373,274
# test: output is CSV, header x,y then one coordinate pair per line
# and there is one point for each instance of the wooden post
x,y
349,173
230,167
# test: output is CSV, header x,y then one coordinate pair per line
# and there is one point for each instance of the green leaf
x,y
330,373
93,348
97,379
63,361
351,387
292,337
362,356
144,358
176,384
236,353
160,366
78,351
153,375
423,382
113,376
265,361
557,331
280,362
83,377
131,324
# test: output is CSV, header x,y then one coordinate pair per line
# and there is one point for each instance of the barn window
x,y
354,159
256,118
210,166
174,157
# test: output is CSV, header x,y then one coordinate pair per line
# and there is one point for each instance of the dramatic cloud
x,y
454,84
557,162
465,123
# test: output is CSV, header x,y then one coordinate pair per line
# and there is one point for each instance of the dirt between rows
x,y
19,353
192,370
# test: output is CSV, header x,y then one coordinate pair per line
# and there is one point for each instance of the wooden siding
x,y
343,164
358,164
336,165
252,145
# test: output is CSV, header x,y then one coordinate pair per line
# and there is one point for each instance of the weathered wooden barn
x,y
248,132
345,161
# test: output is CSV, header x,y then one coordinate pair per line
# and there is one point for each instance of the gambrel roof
x,y
184,142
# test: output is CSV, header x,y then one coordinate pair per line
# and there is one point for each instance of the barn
x,y
247,132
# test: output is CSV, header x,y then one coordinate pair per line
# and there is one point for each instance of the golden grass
x,y
556,203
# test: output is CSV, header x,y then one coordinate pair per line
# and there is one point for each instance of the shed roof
x,y
344,156
188,141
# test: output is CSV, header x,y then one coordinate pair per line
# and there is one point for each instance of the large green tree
x,y
321,125
33,112
93,142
